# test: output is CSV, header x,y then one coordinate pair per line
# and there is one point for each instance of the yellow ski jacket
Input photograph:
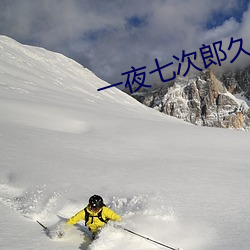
x,y
94,223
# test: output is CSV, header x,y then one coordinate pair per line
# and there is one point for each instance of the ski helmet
x,y
95,202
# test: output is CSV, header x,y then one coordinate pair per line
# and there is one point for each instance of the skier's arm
x,y
110,214
77,217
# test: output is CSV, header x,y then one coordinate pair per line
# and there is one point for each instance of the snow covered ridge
x,y
37,73
34,74
201,100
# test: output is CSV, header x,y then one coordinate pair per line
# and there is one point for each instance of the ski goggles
x,y
94,208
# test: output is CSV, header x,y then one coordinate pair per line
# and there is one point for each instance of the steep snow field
x,y
62,141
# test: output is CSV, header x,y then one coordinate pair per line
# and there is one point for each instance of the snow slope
x,y
62,141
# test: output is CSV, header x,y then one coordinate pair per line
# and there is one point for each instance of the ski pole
x,y
45,228
146,238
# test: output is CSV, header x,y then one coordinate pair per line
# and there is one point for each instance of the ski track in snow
x,y
145,214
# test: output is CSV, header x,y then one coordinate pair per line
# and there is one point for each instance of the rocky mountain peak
x,y
201,99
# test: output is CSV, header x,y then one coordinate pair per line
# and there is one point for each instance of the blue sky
x,y
110,36
218,17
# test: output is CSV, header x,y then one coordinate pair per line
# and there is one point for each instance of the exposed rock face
x,y
202,100
237,81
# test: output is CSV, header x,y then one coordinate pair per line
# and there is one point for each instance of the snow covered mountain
x,y
201,99
62,141
237,81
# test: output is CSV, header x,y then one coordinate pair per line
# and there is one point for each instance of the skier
x,y
95,214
